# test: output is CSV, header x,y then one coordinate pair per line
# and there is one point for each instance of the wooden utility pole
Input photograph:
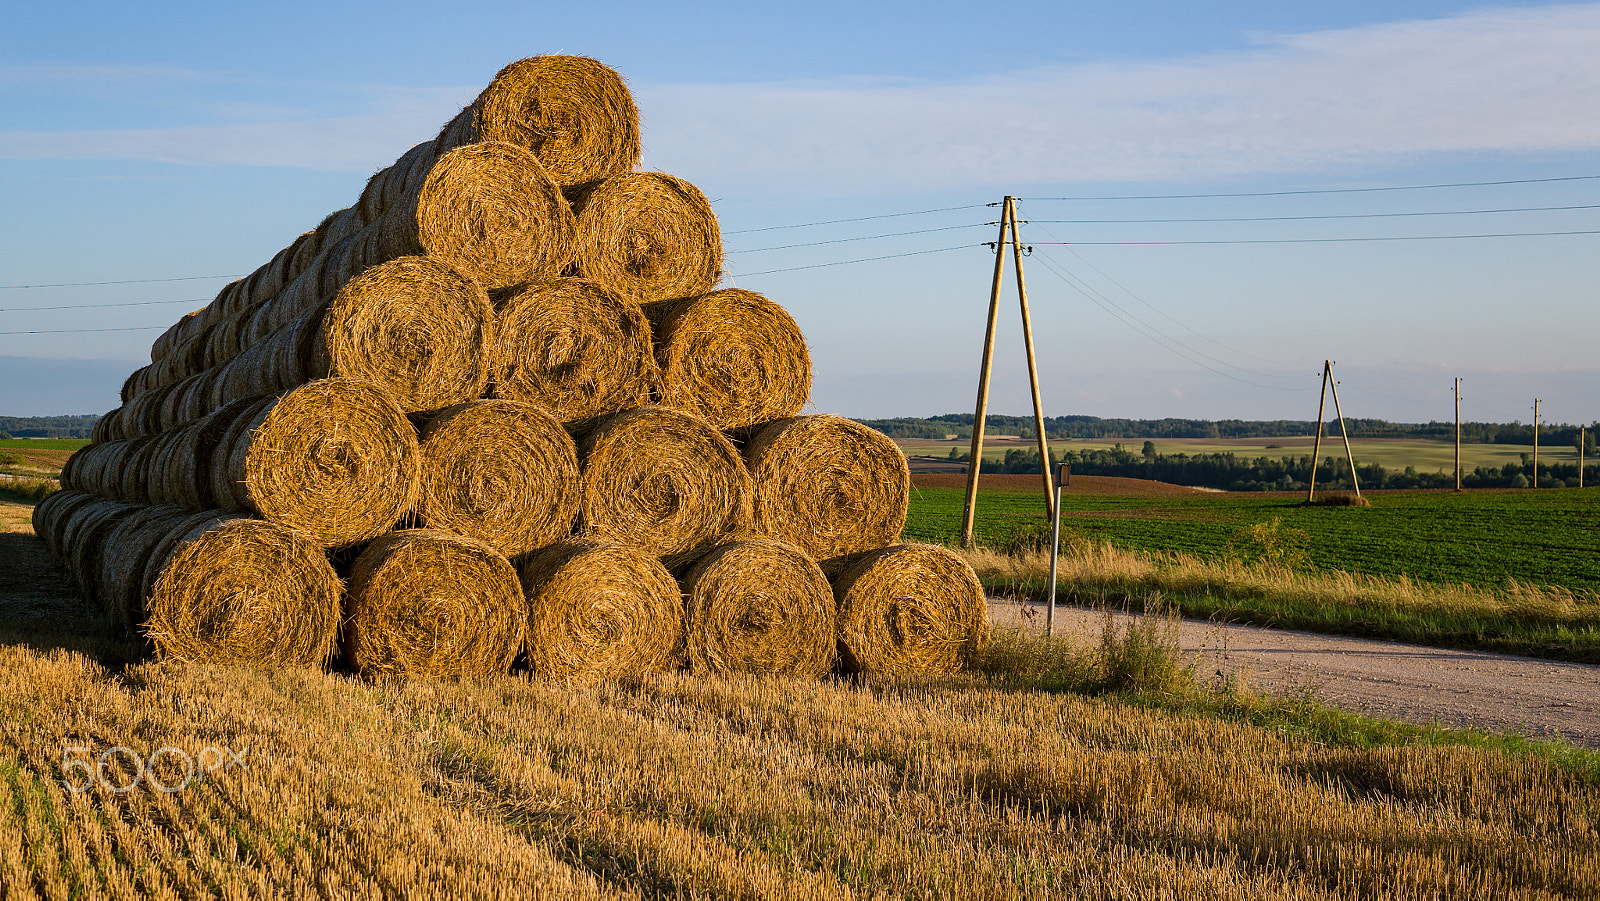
x,y
1583,440
1536,442
1008,225
1344,431
1458,433
1316,446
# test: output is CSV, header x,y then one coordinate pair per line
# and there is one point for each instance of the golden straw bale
x,y
732,357
573,347
663,481
760,606
648,235
335,459
413,326
574,113
829,485
429,603
491,211
232,589
912,608
502,472
599,611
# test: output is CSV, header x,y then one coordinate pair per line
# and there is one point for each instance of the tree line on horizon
x,y
1078,426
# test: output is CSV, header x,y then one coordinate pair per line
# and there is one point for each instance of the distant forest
x,y
960,424
51,426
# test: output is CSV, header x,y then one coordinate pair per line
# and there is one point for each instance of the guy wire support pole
x,y
1055,553
1536,442
1033,368
1344,430
975,457
1316,447
1458,433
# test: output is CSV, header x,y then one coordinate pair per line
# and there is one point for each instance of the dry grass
x,y
1095,569
976,786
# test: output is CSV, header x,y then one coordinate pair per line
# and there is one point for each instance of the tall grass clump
x,y
1134,654
28,490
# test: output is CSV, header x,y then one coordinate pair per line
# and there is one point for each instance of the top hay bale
x,y
573,112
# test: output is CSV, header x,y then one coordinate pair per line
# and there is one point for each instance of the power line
x,y
1529,209
1170,318
1463,184
922,231
73,331
949,209
125,281
892,256
94,306
1322,240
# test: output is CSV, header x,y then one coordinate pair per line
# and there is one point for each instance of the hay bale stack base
x,y
238,590
426,602
599,611
912,608
759,606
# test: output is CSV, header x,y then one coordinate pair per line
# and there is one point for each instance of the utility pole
x,y
1583,440
1536,442
1316,447
1458,433
1344,431
1008,225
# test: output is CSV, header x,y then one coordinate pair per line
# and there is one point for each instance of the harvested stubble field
x,y
987,785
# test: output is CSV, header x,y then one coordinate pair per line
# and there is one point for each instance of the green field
x,y
42,444
1391,453
1484,538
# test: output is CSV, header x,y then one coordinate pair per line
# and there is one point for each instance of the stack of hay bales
x,y
498,408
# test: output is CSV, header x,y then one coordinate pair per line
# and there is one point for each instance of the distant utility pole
x,y
1583,440
1458,433
1536,442
1008,223
1344,432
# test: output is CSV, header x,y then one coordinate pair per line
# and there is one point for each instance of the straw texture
x,y
600,611
731,357
429,603
334,459
232,589
759,606
648,236
913,608
502,472
662,481
573,347
828,485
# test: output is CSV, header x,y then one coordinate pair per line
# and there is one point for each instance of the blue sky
x,y
170,141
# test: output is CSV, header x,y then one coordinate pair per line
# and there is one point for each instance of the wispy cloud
x,y
1494,81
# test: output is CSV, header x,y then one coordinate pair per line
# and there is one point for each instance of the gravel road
x,y
1538,698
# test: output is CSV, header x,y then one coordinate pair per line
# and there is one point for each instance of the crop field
x,y
1484,538
36,457
1391,453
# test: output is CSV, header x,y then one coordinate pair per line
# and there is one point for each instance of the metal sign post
x,y
1055,552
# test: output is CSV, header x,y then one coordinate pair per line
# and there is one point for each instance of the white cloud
x,y
1496,81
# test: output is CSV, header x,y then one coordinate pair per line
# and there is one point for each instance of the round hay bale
x,y
760,606
414,327
490,211
428,603
599,611
334,459
829,485
572,347
912,608
648,236
237,590
574,113
502,472
175,334
663,481
51,515
733,358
